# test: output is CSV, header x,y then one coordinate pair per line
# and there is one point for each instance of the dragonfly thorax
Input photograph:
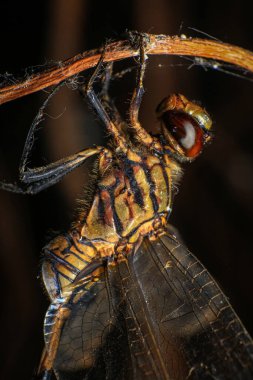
x,y
132,196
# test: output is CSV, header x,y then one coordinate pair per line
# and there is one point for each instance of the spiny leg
x,y
34,127
140,133
37,179
106,101
43,177
98,106
106,79
28,146
34,180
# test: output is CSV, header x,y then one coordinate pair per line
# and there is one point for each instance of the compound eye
x,y
186,132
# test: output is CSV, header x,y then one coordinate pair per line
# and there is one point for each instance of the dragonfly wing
x,y
197,333
93,343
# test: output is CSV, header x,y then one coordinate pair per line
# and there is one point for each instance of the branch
x,y
115,51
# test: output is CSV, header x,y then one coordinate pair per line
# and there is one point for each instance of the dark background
x,y
214,207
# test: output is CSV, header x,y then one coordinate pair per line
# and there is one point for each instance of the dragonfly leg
x,y
88,90
36,179
106,78
106,101
140,133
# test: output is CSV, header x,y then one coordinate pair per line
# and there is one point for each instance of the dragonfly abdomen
x,y
64,258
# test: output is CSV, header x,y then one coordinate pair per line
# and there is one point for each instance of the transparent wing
x,y
190,315
156,315
93,343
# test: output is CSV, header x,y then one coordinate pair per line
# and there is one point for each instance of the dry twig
x,y
158,44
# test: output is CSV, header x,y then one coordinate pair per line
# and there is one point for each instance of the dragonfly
x,y
128,301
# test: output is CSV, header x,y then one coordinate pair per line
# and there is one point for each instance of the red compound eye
x,y
186,125
185,131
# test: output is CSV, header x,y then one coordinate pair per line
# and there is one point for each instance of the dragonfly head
x,y
186,127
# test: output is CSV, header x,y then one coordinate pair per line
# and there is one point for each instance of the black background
x,y
214,207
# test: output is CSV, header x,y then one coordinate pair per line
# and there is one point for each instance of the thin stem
x,y
115,51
